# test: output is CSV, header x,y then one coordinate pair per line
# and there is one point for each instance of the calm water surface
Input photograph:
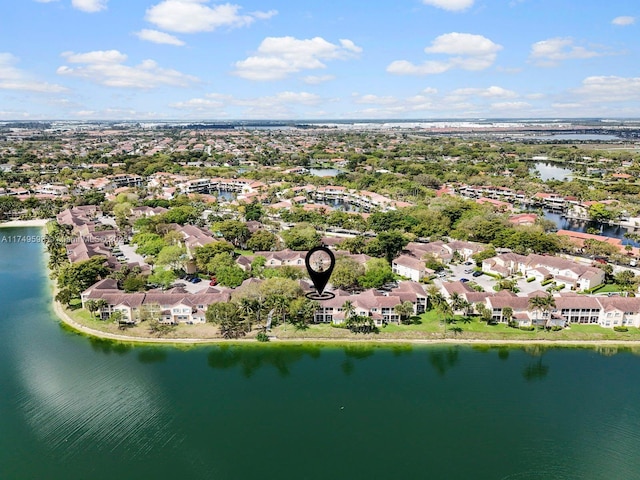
x,y
73,408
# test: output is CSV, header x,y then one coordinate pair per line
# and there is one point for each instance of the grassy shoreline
x,y
318,336
429,332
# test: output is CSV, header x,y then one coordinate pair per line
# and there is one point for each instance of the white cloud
x,y
280,105
191,16
491,92
279,57
467,51
89,6
553,50
12,78
510,106
98,56
317,79
349,45
404,67
604,89
451,5
156,36
623,21
373,99
107,68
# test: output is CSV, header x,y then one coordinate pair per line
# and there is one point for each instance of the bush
x,y
339,325
494,275
531,279
620,328
262,337
556,328
546,282
528,329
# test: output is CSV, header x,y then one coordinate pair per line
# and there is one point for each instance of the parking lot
x,y
454,273
192,287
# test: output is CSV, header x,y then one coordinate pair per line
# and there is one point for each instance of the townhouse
x,y
172,307
373,304
410,267
570,308
541,267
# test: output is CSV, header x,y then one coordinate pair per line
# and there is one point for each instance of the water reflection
x,y
354,352
152,355
444,359
535,371
109,346
250,360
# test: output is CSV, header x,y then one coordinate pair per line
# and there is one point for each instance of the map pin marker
x,y
320,262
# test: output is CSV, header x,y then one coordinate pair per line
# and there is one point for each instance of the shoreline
x,y
36,222
82,329
79,328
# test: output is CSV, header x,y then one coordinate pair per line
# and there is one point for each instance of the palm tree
x,y
549,304
484,312
507,314
457,302
349,309
433,295
91,306
441,305
280,305
404,310
543,304
101,303
247,309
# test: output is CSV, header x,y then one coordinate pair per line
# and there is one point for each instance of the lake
x,y
549,171
76,408
579,225
324,172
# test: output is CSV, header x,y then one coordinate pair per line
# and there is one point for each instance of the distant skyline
x,y
407,59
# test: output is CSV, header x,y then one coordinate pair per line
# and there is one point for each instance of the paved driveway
x,y
129,252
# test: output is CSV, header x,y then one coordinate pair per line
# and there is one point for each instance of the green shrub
x,y
556,328
262,337
620,328
531,279
339,325
546,282
493,275
528,329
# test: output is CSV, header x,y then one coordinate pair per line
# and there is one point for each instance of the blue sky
x,y
348,59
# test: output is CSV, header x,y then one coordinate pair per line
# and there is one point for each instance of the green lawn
x,y
431,327
609,287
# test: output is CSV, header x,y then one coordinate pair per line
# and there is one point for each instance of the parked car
x,y
478,273
195,280
468,263
464,280
213,282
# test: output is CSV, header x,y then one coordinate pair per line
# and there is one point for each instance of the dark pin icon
x,y
320,262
